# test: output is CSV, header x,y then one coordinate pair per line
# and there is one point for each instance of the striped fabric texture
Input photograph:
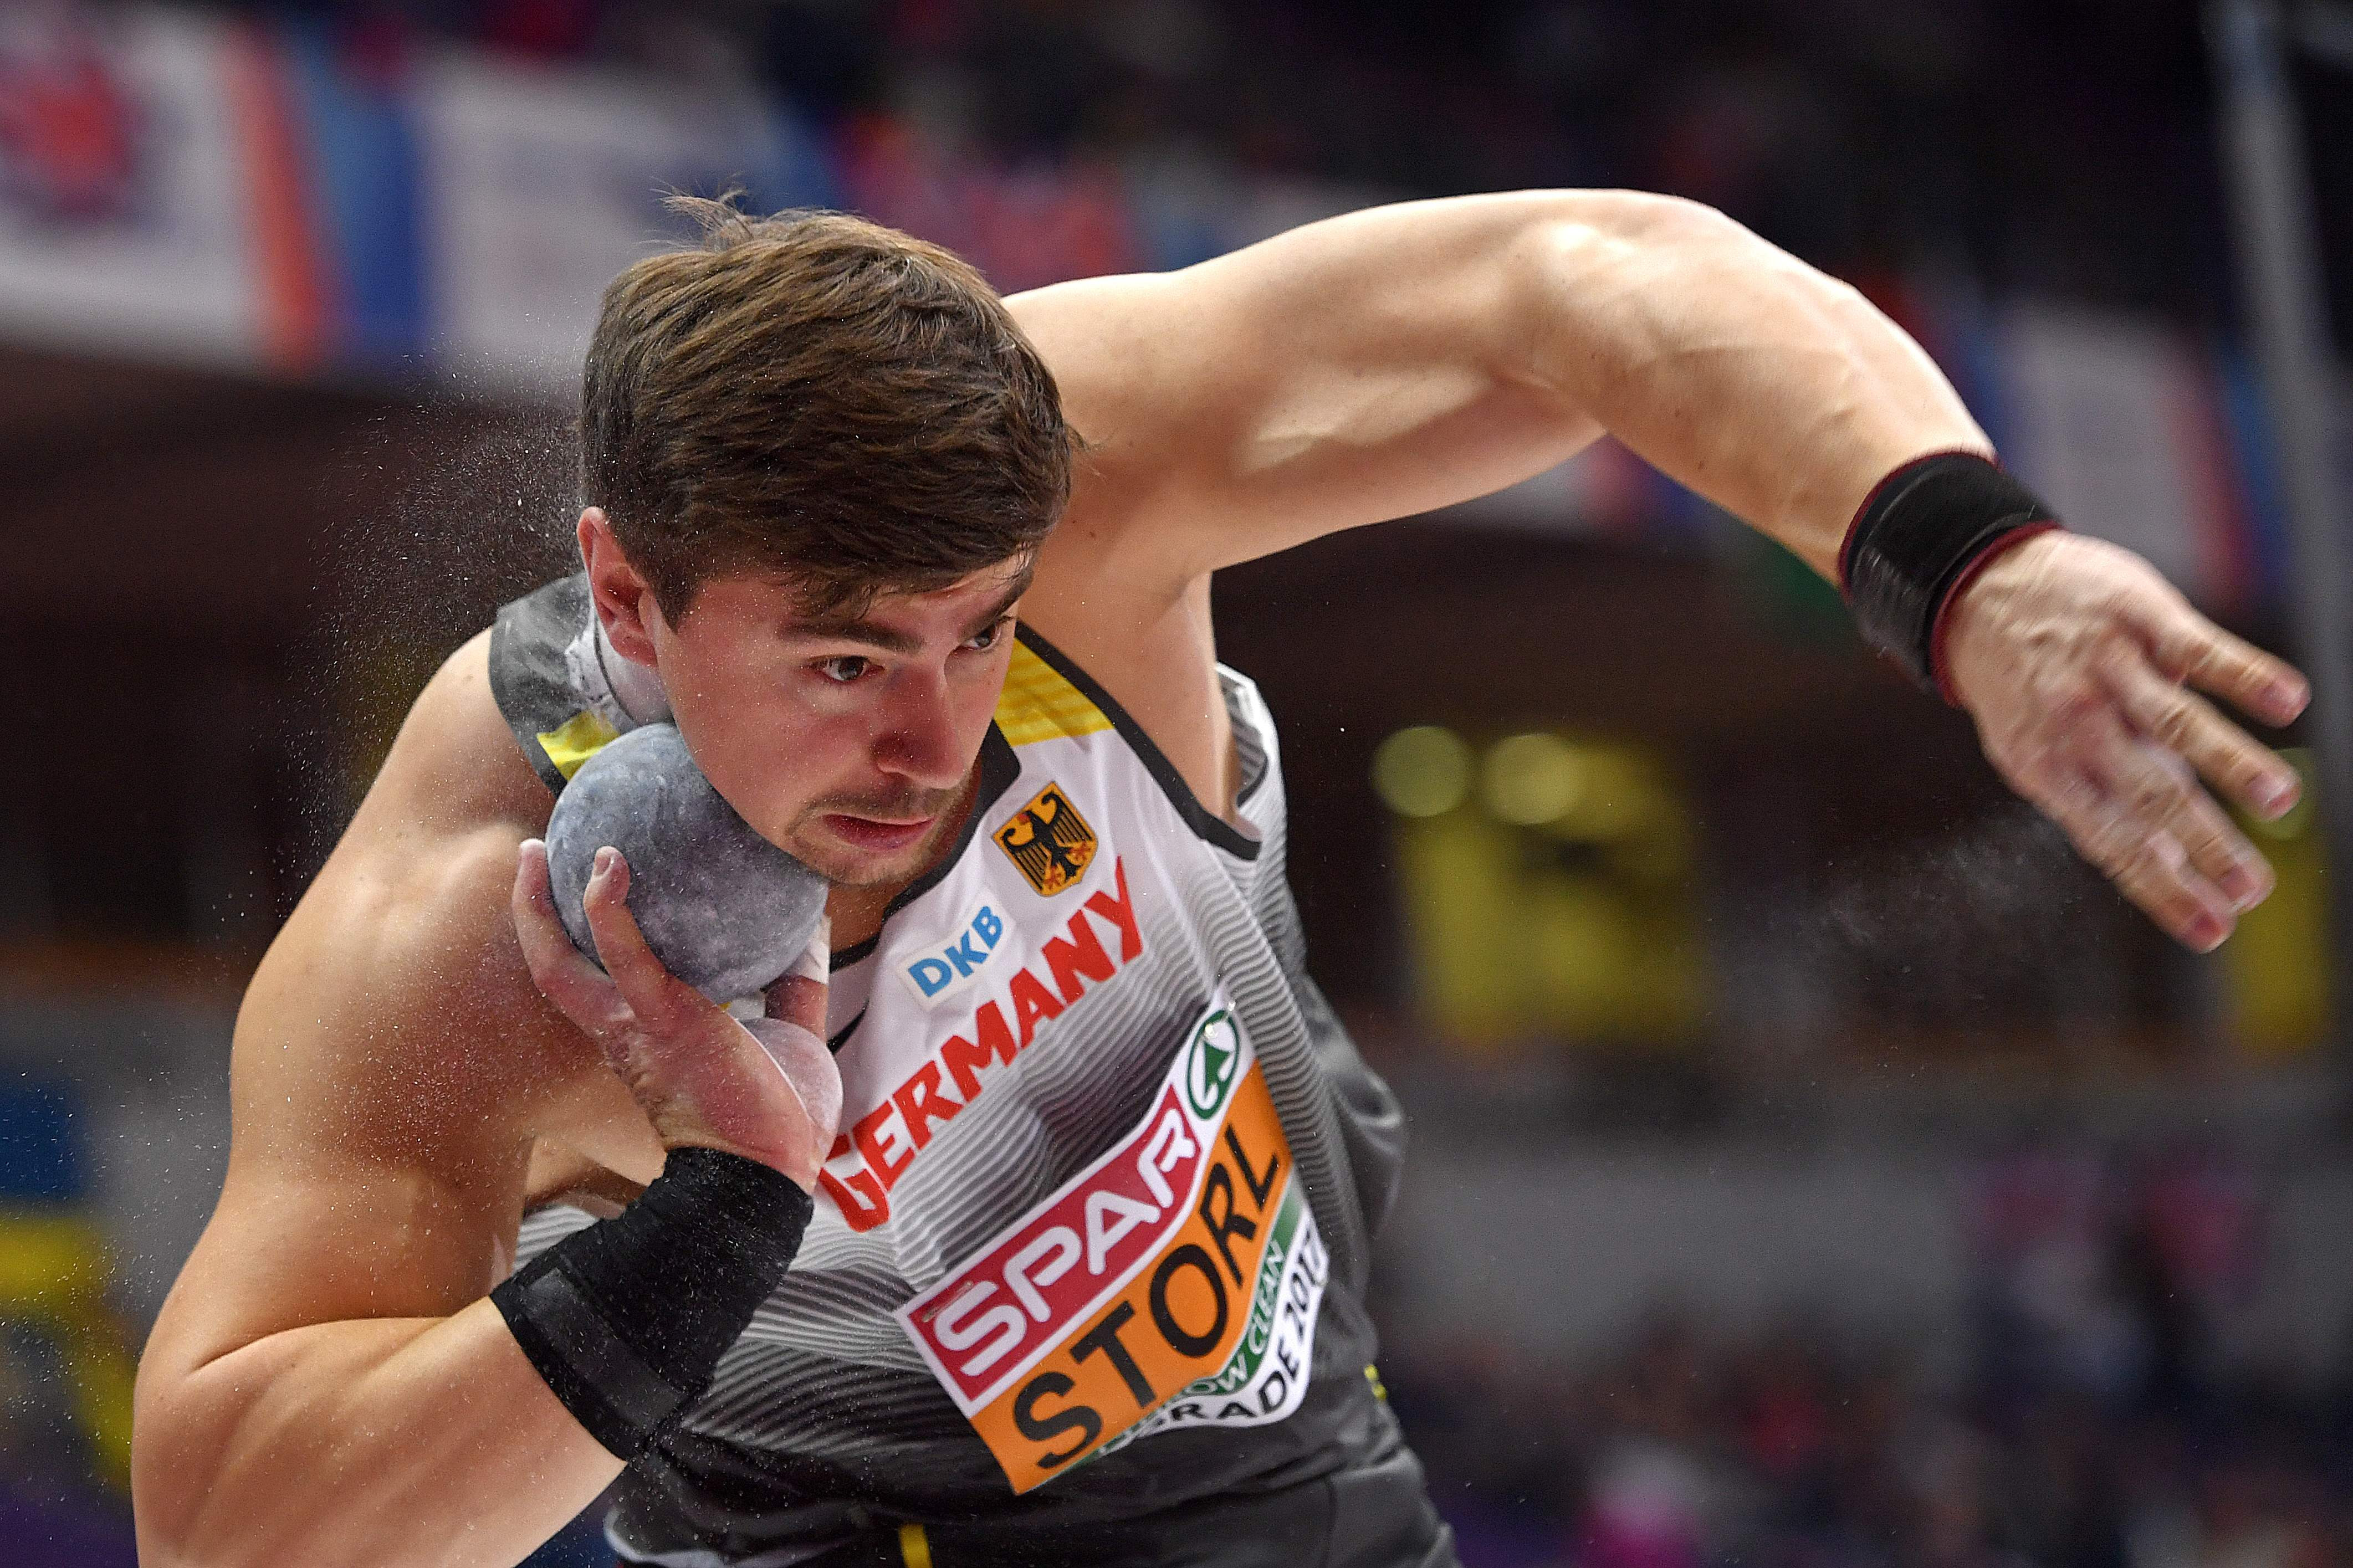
x,y
1015,1018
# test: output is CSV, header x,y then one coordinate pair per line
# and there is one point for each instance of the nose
x,y
918,741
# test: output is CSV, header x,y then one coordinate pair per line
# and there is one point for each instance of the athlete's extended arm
x,y
327,1383
1412,356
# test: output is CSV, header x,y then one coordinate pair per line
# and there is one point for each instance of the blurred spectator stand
x,y
66,1367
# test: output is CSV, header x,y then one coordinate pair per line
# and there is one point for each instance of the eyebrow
x,y
859,629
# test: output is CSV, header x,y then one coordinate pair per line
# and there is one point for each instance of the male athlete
x,y
922,576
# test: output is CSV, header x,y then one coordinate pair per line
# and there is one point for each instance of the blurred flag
x,y
128,179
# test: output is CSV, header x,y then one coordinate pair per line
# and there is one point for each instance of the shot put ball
x,y
725,909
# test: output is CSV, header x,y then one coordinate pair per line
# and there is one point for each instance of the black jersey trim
x,y
528,681
1204,823
998,768
1251,747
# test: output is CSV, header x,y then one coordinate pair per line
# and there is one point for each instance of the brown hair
x,y
820,398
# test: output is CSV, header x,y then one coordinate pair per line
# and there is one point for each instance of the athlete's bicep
x,y
1358,369
388,1060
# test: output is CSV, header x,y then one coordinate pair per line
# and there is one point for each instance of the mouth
x,y
879,835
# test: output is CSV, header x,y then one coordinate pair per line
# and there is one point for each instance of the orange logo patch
x,y
1174,1283
1049,840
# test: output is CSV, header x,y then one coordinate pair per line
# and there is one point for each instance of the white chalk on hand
x,y
807,1066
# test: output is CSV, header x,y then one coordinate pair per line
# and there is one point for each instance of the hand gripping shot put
x,y
810,1024
722,910
720,906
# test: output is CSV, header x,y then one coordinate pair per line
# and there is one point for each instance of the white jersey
x,y
1095,1236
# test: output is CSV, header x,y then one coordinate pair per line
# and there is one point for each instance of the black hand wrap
x,y
627,1319
1921,536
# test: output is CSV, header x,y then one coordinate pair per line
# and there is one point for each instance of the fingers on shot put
x,y
581,990
655,994
653,903
798,995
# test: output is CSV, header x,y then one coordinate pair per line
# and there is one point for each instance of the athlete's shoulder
x,y
422,875
1115,590
424,868
454,768
431,849
395,998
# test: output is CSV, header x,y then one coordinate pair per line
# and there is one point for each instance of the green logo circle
x,y
1209,1076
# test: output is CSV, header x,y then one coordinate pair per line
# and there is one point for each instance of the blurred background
x,y
1813,1163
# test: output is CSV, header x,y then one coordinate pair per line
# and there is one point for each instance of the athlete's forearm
x,y
1774,390
383,1442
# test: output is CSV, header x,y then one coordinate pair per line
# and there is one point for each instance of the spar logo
x,y
941,972
1173,1282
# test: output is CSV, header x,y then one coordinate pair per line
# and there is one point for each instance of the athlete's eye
x,y
845,668
991,638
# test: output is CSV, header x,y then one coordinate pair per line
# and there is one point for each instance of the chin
x,y
847,867
850,868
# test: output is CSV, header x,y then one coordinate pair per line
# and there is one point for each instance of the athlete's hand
x,y
2077,661
767,1089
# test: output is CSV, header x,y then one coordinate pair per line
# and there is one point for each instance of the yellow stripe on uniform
x,y
914,1546
1040,705
575,740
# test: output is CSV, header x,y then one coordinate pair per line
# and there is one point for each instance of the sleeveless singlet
x,y
1093,1241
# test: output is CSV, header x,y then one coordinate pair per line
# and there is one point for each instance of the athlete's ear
x,y
624,599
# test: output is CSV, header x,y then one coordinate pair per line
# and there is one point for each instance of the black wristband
x,y
1919,536
627,1319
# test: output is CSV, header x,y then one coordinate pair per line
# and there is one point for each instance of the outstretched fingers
x,y
2226,756
2115,806
2083,676
2149,866
2191,649
2160,794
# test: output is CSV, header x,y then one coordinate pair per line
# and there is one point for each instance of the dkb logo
x,y
948,968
